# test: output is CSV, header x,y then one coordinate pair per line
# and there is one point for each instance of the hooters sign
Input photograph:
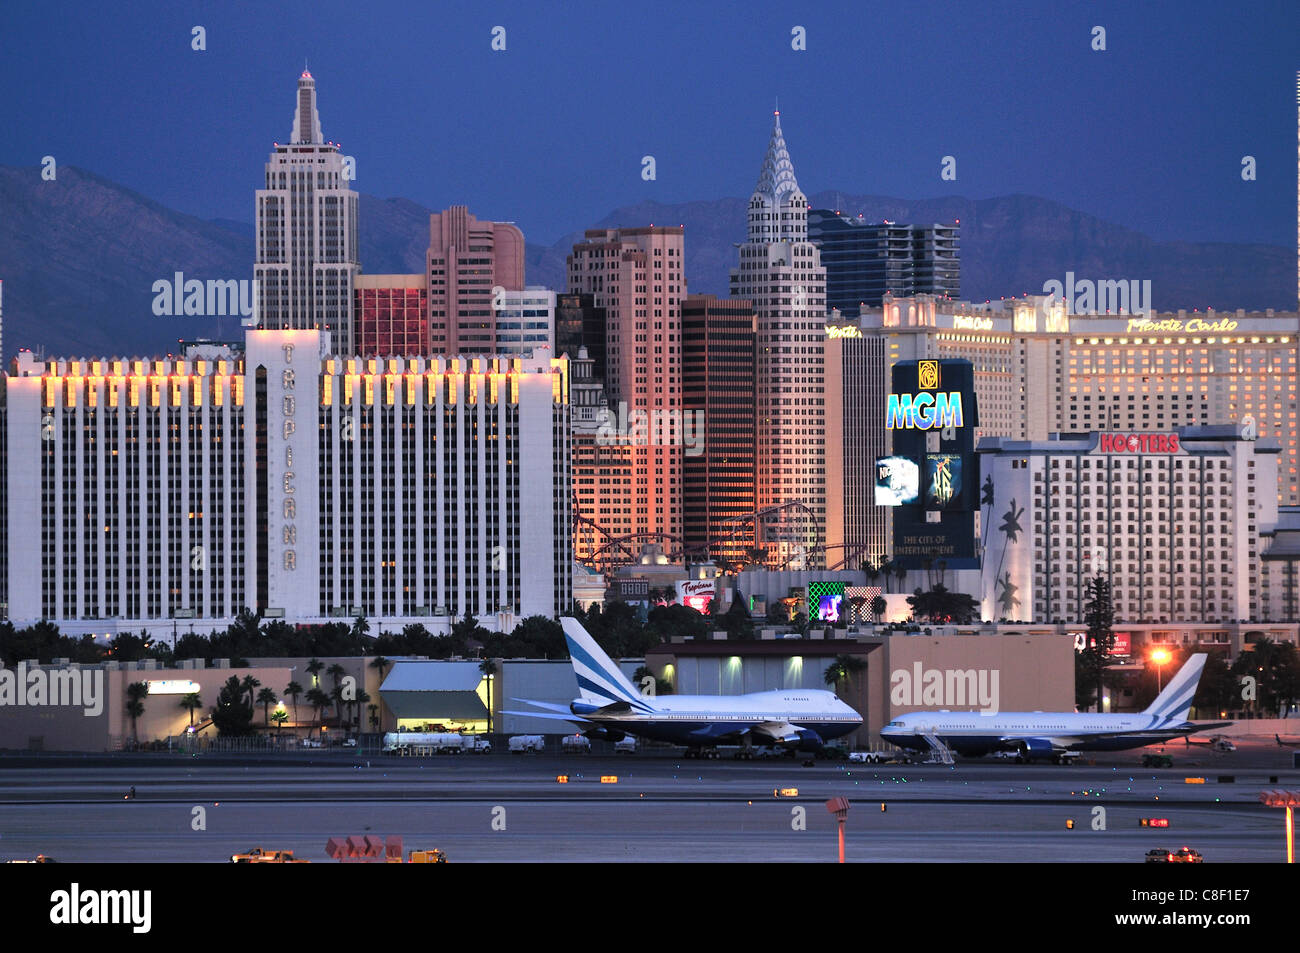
x,y
1138,443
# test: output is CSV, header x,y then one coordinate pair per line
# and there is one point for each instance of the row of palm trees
x,y
886,568
316,696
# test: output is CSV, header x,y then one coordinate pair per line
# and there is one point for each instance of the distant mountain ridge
x,y
78,256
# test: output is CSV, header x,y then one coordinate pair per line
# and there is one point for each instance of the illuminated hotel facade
x,y
1172,518
1039,371
286,480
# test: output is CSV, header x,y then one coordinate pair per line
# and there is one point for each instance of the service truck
x,y
520,744
435,742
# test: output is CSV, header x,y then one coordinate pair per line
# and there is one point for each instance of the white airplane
x,y
609,707
1047,734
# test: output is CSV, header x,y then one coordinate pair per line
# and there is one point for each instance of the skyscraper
x,y
866,261
781,272
307,232
635,275
467,258
718,391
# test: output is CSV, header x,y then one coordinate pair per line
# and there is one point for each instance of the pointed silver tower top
x,y
306,120
776,179
778,209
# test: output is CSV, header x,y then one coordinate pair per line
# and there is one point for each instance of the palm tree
x,y
317,698
336,672
280,717
886,569
374,717
191,701
489,670
900,573
871,570
379,663
842,667
313,669
336,698
266,698
293,690
248,686
363,696
135,695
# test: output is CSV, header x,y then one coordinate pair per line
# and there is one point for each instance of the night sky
x,y
550,133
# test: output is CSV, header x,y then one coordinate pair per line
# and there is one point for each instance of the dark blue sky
x,y
550,133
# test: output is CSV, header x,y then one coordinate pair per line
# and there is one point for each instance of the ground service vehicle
x,y
431,856
870,757
421,742
625,745
572,744
259,855
520,744
1158,856
1185,855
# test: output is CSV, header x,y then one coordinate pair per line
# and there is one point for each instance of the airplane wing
x,y
552,715
778,731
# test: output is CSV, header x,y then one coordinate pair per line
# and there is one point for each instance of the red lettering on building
x,y
1137,443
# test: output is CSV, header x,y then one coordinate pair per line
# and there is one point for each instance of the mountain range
x,y
79,256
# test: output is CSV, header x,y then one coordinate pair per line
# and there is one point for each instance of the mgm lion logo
x,y
927,375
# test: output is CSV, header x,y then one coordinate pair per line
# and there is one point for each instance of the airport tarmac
x,y
501,808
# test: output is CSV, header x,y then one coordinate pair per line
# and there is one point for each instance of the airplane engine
x,y
1037,748
604,734
809,740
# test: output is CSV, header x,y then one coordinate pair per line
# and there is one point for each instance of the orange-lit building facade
x,y
279,479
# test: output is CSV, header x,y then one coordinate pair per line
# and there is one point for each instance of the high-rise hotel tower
x,y
781,272
307,232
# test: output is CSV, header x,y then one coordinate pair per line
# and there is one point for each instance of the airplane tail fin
x,y
600,682
1174,703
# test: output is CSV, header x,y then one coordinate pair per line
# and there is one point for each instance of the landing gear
x,y
701,753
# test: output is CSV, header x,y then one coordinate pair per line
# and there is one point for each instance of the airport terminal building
x,y
148,494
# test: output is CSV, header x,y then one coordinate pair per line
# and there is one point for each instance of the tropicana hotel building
x,y
152,494
1039,370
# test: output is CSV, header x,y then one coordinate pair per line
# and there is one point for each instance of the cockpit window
x,y
895,724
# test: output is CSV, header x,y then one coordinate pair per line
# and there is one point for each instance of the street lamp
x,y
1160,657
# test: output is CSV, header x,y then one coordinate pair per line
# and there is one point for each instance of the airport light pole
x,y
1160,657
1289,800
839,806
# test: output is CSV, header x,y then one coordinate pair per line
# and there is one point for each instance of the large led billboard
x,y
933,422
826,601
943,482
898,481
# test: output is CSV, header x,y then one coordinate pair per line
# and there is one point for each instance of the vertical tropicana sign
x,y
288,518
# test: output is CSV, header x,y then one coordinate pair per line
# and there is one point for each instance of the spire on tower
x,y
306,120
776,179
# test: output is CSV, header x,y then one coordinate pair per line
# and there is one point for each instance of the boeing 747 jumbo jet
x,y
1046,734
609,707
